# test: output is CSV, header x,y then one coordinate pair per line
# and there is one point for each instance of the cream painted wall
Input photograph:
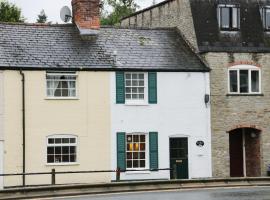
x,y
87,117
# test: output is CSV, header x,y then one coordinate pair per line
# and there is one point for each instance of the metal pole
x,y
23,123
53,176
118,172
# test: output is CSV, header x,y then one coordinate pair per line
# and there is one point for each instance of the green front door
x,y
179,158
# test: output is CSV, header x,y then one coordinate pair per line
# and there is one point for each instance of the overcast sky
x,y
31,8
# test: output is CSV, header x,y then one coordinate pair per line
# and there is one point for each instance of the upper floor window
x,y
244,79
229,17
135,86
265,14
62,149
61,84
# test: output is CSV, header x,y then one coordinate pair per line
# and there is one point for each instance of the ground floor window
x,y
62,149
135,151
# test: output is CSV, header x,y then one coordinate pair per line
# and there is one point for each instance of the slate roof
x,y
32,46
250,38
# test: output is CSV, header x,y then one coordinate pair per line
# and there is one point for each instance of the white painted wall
x,y
1,127
180,112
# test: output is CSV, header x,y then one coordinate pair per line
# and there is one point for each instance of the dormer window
x,y
229,17
265,14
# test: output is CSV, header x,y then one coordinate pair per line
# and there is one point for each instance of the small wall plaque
x,y
200,143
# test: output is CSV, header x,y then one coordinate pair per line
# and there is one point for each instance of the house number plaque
x,y
200,143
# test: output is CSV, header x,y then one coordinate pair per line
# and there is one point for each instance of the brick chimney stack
x,y
86,14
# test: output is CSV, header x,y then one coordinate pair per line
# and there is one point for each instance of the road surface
x,y
251,193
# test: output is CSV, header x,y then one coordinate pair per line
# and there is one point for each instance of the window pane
x,y
50,150
244,81
72,158
129,164
57,140
135,155
142,146
142,138
51,141
135,163
65,150
65,158
72,149
255,81
129,138
142,163
57,150
235,17
65,140
129,155
72,140
233,81
57,158
128,76
225,17
135,146
135,138
142,155
50,159
267,18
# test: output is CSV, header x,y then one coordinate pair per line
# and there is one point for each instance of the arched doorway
x,y
245,152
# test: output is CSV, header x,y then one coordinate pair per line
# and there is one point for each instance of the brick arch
x,y
244,63
240,126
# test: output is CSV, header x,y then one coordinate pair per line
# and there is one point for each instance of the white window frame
x,y
57,73
62,144
263,11
146,150
238,16
138,101
244,67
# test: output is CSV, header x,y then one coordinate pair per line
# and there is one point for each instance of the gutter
x,y
23,123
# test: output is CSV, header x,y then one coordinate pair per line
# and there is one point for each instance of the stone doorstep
x,y
73,190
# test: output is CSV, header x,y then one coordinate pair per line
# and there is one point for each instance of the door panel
x,y
236,154
179,157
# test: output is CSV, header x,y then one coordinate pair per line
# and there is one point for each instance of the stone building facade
x,y
240,120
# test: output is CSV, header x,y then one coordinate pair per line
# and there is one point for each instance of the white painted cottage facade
x,y
179,112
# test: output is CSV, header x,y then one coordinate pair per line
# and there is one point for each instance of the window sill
x,y
61,98
259,94
61,164
136,104
229,31
137,172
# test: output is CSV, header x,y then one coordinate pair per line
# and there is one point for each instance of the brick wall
x,y
172,13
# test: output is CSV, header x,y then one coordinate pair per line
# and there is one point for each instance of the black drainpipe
x,y
23,123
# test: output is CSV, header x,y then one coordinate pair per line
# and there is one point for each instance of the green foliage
x,y
120,9
42,17
10,12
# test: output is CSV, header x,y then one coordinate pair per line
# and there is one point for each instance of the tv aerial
x,y
65,14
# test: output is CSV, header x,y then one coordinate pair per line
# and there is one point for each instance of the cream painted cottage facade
x,y
79,97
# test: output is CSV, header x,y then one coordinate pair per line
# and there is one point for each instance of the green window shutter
x,y
152,87
120,87
121,150
153,150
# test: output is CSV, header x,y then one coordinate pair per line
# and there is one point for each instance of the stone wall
x,y
171,13
229,112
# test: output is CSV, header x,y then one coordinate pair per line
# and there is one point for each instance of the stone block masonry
x,y
170,13
229,112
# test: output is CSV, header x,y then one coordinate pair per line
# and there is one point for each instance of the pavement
x,y
250,193
126,187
